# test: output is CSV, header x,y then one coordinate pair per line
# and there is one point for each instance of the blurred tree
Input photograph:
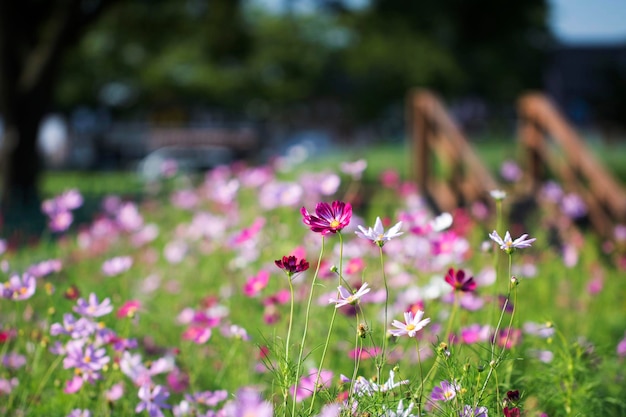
x,y
233,54
34,34
487,48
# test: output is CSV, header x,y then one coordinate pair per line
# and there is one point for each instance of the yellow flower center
x,y
334,224
410,327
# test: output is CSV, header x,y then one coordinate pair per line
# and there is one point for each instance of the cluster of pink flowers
x,y
59,209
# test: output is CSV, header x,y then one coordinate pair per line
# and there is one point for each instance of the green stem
x,y
494,361
287,342
383,357
330,328
306,323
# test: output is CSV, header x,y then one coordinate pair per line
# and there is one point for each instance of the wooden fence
x,y
447,170
554,148
450,174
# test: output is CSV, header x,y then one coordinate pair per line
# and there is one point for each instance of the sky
x,y
573,21
589,21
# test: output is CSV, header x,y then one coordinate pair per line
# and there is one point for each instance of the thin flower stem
x,y
421,391
287,342
330,328
383,354
43,382
306,324
357,359
493,363
455,307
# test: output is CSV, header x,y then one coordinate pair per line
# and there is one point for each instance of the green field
x,y
200,310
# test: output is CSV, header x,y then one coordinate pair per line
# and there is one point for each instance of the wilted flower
x,y
378,234
508,244
328,218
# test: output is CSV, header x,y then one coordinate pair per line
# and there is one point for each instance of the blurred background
x,y
95,85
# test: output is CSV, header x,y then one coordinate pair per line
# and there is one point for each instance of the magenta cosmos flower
x,y
459,281
291,265
328,218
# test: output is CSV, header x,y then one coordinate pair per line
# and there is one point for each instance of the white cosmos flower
x,y
508,245
441,222
378,234
346,297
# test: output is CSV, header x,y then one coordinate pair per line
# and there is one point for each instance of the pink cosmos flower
x,y
475,333
445,391
44,268
256,283
93,308
19,288
129,309
117,265
60,221
197,334
7,385
355,265
13,360
621,347
412,324
354,169
310,383
128,217
152,400
175,251
73,385
365,353
248,402
508,338
250,232
178,380
328,218
115,392
185,199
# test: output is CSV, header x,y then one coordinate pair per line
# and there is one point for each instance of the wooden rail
x,y
447,170
551,144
